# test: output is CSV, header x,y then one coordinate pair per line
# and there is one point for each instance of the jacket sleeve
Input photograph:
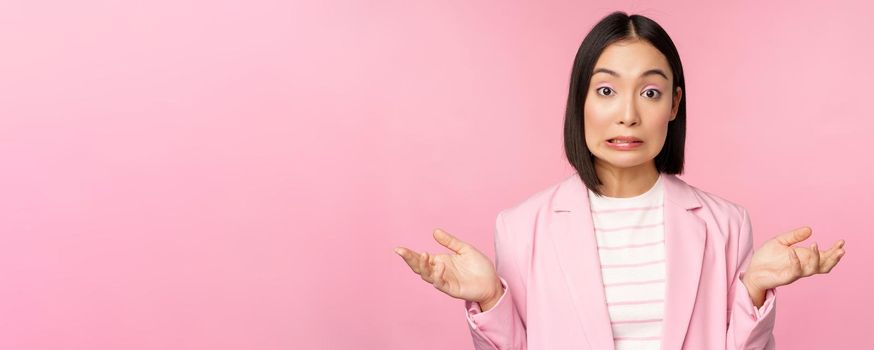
x,y
749,327
503,326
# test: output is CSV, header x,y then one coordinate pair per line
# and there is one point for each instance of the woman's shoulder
x,y
716,202
543,200
568,193
720,212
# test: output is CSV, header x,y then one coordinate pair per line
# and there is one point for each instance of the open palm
x,y
777,262
464,273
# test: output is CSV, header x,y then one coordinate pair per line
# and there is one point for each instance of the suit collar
x,y
573,237
568,198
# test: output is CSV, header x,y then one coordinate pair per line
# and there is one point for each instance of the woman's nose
x,y
629,116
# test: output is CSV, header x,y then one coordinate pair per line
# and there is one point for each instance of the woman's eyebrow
x,y
649,72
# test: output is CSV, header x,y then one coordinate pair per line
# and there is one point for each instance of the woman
x,y
623,254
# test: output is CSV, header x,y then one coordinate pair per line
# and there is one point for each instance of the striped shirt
x,y
631,246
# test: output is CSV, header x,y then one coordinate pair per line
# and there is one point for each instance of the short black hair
x,y
619,26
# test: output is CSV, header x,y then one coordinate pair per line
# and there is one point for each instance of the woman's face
x,y
629,95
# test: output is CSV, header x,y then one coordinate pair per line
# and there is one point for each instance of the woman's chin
x,y
627,161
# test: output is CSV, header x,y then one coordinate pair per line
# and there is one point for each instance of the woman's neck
x,y
626,182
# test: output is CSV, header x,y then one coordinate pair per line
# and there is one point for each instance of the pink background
x,y
219,175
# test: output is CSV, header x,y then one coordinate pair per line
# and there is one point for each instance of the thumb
x,y
794,236
449,241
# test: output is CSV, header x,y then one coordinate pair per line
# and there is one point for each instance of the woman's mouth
x,y
623,145
622,141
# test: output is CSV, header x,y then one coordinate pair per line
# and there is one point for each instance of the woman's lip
x,y
626,139
623,146
638,141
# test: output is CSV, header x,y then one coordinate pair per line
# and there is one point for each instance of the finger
x,y
813,264
831,251
449,241
794,261
840,254
831,262
806,257
410,257
439,281
424,267
838,244
794,236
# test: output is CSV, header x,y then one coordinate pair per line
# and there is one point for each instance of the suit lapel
x,y
573,238
577,250
685,236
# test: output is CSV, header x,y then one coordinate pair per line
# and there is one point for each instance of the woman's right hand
x,y
465,273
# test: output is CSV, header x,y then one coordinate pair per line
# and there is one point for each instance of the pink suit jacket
x,y
547,258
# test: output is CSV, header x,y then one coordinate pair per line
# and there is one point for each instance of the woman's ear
x,y
675,105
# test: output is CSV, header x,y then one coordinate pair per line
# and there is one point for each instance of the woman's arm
x,y
751,323
501,326
776,263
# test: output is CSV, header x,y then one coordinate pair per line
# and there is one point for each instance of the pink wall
x,y
208,175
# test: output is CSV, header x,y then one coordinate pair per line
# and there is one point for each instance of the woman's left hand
x,y
778,263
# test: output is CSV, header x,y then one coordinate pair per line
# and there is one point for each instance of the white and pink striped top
x,y
631,245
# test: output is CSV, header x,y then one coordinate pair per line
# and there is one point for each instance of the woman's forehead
x,y
630,59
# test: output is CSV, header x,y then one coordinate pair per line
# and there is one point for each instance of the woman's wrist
x,y
757,294
489,303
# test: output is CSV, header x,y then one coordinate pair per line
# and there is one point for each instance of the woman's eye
x,y
603,88
655,93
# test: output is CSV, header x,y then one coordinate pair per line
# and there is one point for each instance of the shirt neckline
x,y
641,196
